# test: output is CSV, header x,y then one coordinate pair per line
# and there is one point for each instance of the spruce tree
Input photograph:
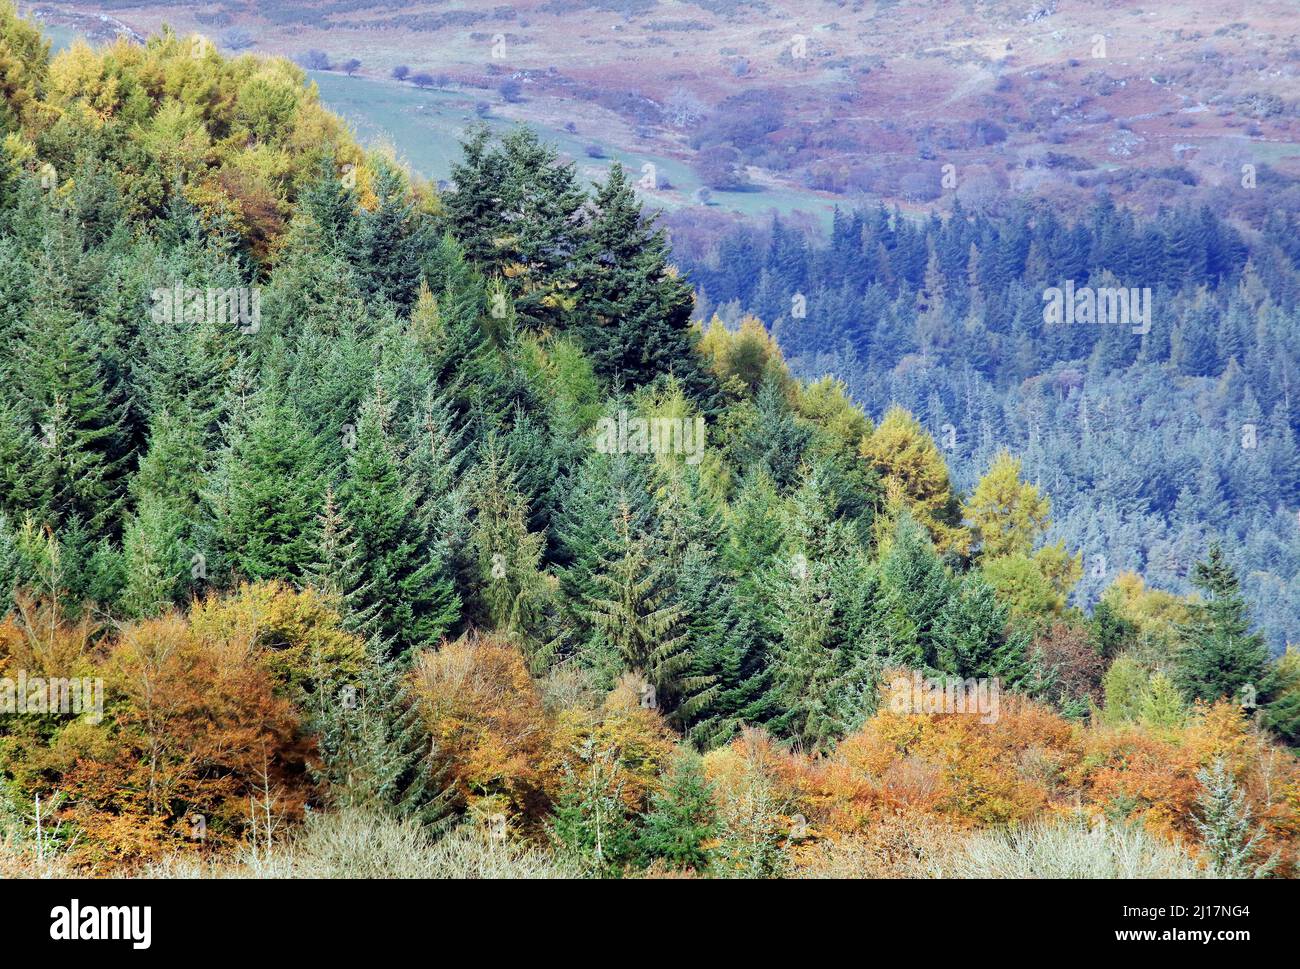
x,y
590,822
391,241
1223,820
266,492
1218,655
635,309
682,818
156,562
76,415
972,638
915,589
511,589
375,751
636,612
403,577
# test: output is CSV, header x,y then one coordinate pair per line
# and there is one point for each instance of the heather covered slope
x,y
349,499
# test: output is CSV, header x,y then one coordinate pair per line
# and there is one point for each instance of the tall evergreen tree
x,y
266,491
404,576
1219,656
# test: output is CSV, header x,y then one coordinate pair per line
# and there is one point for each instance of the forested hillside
x,y
1151,444
421,533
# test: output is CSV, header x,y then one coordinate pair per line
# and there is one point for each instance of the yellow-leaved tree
x,y
1008,516
915,479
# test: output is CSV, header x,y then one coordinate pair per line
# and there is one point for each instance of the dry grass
x,y
913,848
346,844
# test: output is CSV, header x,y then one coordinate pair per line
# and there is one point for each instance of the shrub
x,y
313,60
1070,850
486,718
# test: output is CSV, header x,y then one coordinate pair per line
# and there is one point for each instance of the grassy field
x,y
424,127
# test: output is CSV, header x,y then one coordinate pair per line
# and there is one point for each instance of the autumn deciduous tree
x,y
198,738
487,724
1071,663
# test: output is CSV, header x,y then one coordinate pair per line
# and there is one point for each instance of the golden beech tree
x,y
299,631
199,731
490,731
196,736
626,726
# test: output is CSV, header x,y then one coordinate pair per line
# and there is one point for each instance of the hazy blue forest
x,y
1150,446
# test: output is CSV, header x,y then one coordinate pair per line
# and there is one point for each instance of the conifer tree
x,y
915,589
1163,707
682,819
332,204
1224,823
78,418
508,557
636,612
390,243
1219,656
972,637
155,559
1007,514
590,822
375,750
337,570
754,831
727,651
403,577
635,309
266,492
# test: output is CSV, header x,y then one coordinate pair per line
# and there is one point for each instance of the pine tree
x,y
592,497
390,243
682,818
337,571
516,212
1224,824
727,651
1219,656
332,205
915,589
403,577
972,638
78,417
